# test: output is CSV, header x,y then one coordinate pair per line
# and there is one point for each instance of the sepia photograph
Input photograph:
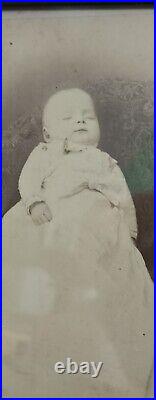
x,y
78,202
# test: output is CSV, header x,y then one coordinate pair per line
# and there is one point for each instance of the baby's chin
x,y
84,141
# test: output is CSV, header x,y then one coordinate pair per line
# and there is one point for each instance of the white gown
x,y
77,287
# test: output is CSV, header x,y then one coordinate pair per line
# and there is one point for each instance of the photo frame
x,y
99,49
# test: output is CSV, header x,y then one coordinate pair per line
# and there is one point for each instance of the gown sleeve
x,y
32,177
125,202
113,185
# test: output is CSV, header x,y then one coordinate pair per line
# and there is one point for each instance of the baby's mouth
x,y
81,130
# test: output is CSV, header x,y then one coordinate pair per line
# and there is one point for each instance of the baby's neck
x,y
56,146
62,146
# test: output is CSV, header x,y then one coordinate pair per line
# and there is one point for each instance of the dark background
x,y
109,56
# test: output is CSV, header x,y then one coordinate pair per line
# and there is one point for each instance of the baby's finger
x,y
39,220
48,214
42,219
47,219
35,221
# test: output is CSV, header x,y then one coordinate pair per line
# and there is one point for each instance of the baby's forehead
x,y
68,102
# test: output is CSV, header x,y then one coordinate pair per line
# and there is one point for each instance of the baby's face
x,y
70,114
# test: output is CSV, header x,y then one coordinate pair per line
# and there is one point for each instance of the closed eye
x,y
66,118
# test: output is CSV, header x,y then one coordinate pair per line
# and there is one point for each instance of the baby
x,y
75,284
70,125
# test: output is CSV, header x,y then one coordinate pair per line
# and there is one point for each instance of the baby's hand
x,y
40,213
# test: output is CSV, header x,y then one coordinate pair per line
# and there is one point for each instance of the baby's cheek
x,y
64,130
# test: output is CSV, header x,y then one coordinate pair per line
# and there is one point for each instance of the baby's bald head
x,y
65,101
64,110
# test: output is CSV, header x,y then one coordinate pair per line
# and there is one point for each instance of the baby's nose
x,y
81,120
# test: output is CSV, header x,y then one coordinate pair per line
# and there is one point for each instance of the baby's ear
x,y
46,135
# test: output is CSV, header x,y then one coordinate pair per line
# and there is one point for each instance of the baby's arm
x,y
113,185
30,185
126,203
